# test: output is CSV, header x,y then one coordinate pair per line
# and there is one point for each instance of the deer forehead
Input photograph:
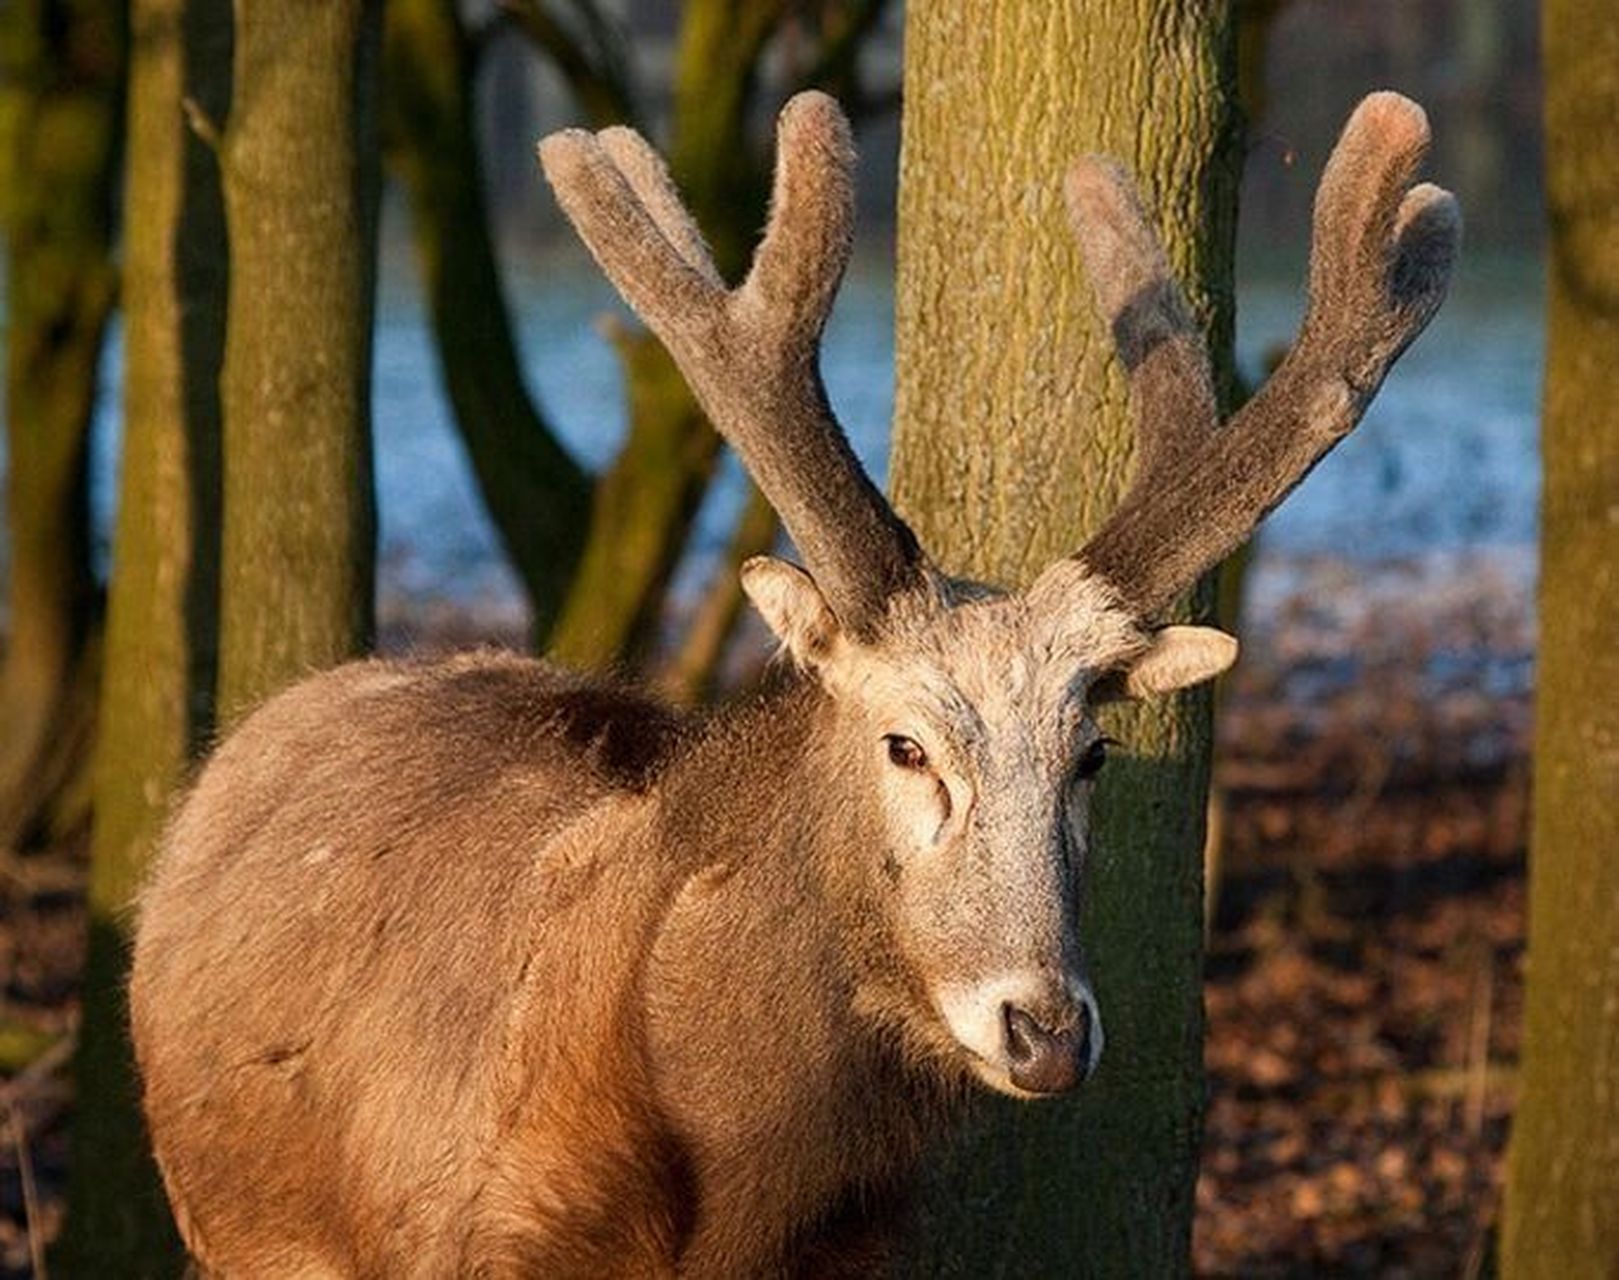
x,y
994,671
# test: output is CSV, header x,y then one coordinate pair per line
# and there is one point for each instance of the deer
x,y
479,966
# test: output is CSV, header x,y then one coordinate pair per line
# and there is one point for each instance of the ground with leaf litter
x,y
1365,961
1365,968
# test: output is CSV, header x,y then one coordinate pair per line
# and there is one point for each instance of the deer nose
x,y
1047,1058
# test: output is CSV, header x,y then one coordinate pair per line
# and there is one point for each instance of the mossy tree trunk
x,y
299,168
158,682
538,496
1013,438
1562,1205
61,98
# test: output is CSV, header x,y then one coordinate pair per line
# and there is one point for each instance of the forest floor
x,y
1365,965
1365,962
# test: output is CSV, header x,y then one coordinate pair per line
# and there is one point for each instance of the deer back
x,y
376,888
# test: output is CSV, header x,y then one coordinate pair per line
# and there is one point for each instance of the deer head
x,y
964,710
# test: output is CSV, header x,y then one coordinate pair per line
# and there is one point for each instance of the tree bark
x,y
61,87
157,692
1563,1175
1012,441
300,183
537,495
1253,21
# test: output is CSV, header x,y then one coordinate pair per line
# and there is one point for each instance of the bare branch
x,y
588,55
203,125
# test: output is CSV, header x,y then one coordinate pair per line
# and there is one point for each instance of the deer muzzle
x,y
1030,1033
1046,1056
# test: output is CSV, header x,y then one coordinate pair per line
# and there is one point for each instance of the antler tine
x,y
1157,340
1358,198
751,355
658,281
800,262
1380,265
648,177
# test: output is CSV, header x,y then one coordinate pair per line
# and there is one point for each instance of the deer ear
x,y
1176,658
792,607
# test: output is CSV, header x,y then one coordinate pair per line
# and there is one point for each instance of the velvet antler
x,y
751,354
1380,264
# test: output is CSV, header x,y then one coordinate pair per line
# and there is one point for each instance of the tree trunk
x,y
161,619
1563,1178
1253,21
61,93
299,166
1012,440
537,495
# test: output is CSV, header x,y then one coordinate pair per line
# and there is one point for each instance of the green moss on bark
x,y
160,645
1562,1206
299,167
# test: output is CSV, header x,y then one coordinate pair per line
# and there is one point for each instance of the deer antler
x,y
1379,268
751,354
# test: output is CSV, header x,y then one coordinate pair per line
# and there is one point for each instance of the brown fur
x,y
463,999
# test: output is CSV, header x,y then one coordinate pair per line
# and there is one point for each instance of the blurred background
x,y
1365,950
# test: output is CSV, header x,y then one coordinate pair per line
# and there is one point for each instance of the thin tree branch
x,y
207,129
591,60
536,491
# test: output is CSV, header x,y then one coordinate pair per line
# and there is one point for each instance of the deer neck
x,y
768,816
759,1038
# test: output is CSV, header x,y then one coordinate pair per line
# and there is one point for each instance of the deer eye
x,y
905,753
1093,758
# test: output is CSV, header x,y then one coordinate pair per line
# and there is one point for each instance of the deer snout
x,y
1030,1032
1047,1055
